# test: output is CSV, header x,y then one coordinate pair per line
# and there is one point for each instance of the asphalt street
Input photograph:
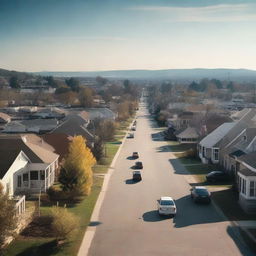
x,y
129,223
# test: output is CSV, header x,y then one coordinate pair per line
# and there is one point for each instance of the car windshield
x,y
202,192
167,202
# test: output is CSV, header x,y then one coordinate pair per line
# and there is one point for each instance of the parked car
x,y
200,194
130,135
166,206
134,122
133,128
138,165
217,176
136,176
135,155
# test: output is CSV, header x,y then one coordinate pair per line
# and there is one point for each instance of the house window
x,y
252,188
19,181
34,175
42,176
25,177
216,154
203,151
244,186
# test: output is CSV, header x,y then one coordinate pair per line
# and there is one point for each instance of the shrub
x,y
64,223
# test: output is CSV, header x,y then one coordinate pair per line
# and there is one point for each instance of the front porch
x,y
37,178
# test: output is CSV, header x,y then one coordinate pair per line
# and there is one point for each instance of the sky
x,y
92,35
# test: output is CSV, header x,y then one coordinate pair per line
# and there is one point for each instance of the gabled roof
x,y
249,159
189,132
215,137
245,122
74,125
59,141
247,172
11,146
4,117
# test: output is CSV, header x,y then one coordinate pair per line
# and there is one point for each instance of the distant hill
x,y
21,75
175,74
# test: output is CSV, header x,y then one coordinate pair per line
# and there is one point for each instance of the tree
x,y
64,223
8,220
73,83
98,148
86,97
51,81
101,80
76,173
14,82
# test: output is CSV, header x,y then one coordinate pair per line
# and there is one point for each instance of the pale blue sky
x,y
64,35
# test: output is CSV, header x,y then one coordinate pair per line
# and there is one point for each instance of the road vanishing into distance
x,y
129,223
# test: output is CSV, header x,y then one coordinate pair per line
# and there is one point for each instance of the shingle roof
x,y
11,146
246,121
249,159
237,153
215,137
189,132
4,117
74,125
247,172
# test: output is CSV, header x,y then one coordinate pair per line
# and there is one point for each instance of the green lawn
x,y
39,246
177,147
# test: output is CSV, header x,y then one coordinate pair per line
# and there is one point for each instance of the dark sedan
x,y
200,194
136,176
138,165
217,176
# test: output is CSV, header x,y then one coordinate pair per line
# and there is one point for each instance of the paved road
x,y
129,223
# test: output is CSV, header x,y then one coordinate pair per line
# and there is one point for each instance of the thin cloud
x,y
212,13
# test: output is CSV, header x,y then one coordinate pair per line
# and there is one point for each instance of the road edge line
x,y
90,231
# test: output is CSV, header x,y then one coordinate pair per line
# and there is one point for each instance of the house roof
x,y
104,113
40,122
214,137
248,159
237,153
4,117
247,172
11,146
74,125
189,132
7,158
246,121
59,141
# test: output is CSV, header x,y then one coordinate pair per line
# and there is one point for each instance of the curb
x,y
90,231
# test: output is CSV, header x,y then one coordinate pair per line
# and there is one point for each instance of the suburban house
x,y
36,126
217,145
180,121
208,147
75,124
27,165
189,135
45,113
247,182
103,113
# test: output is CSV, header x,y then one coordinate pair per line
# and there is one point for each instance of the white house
x,y
209,145
26,167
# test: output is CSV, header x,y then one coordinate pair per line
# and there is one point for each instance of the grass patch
x,y
227,200
46,246
177,147
37,246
